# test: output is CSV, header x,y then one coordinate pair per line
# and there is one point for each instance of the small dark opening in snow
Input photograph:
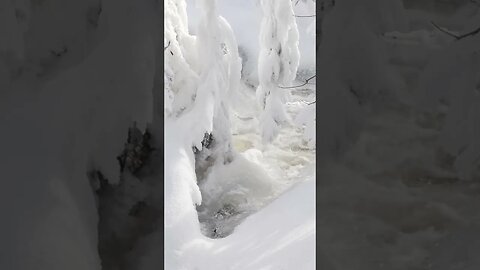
x,y
218,217
126,209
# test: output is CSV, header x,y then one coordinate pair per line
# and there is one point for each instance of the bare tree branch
x,y
313,102
305,83
474,32
457,37
164,49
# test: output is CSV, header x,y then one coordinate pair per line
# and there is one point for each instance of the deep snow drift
x,y
402,191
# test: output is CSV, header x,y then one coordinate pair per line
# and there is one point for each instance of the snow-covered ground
x,y
398,197
64,112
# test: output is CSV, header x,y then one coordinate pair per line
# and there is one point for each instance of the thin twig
x,y
444,31
357,96
476,31
313,102
167,46
306,82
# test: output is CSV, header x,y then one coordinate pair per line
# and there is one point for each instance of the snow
x,y
179,64
187,248
399,121
458,89
247,14
76,75
64,123
256,245
222,200
277,64
398,179
247,177
181,193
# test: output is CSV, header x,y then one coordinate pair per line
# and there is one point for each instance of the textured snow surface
x,y
59,124
399,109
404,191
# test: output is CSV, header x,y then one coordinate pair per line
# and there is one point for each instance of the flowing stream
x,y
259,173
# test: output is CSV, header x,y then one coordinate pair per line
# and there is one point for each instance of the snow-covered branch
x,y
278,63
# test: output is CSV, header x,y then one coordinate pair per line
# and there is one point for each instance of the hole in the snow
x,y
231,191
